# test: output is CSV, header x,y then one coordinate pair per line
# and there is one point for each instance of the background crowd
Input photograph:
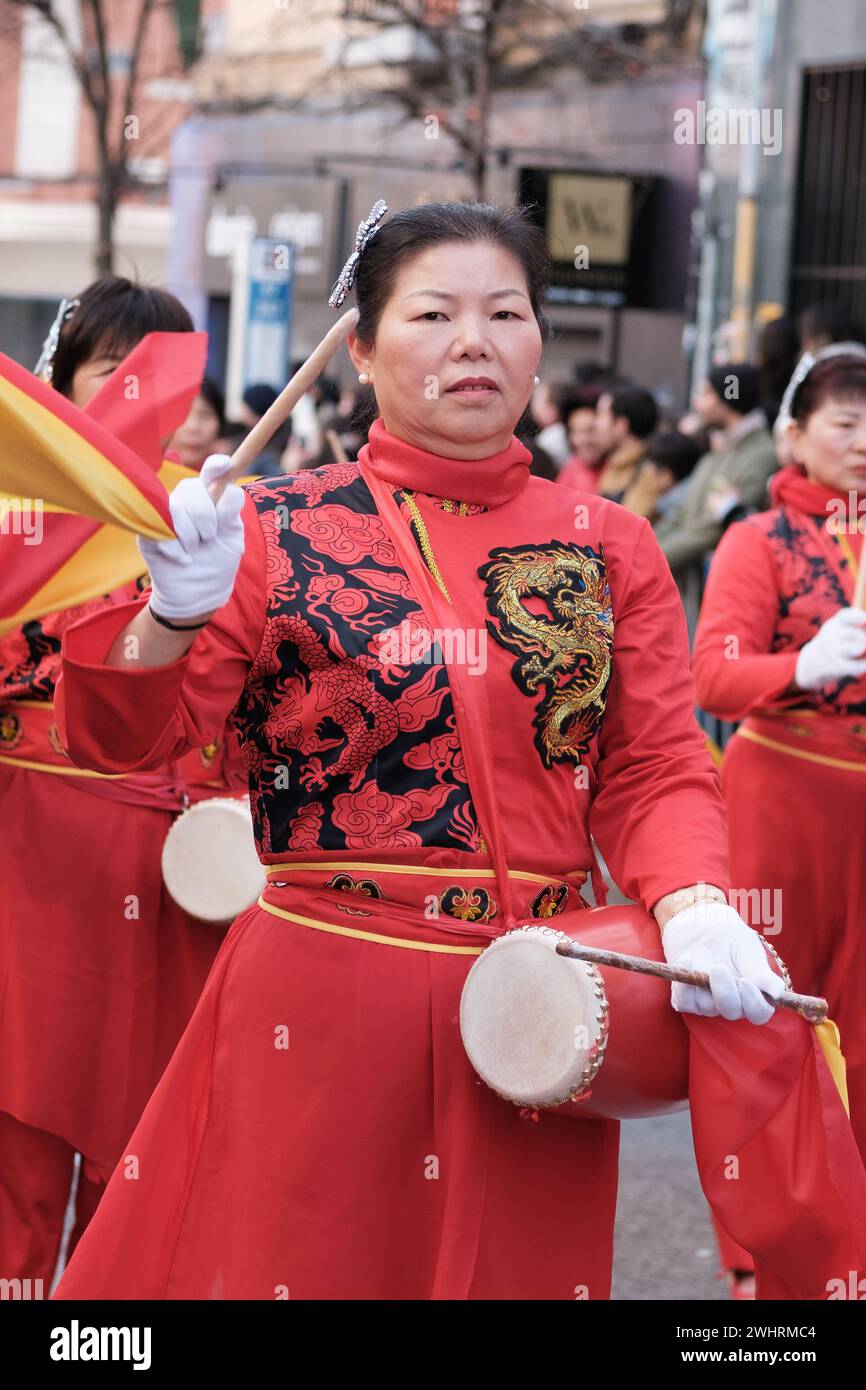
x,y
690,474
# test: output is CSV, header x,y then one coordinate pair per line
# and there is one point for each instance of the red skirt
x,y
99,969
320,1134
795,787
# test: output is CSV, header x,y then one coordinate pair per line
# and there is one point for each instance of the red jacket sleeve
x,y
734,669
130,720
658,816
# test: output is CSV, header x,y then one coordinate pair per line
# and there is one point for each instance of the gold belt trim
x,y
801,752
63,771
369,935
358,866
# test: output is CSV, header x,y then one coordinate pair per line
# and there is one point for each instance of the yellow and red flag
x,y
94,478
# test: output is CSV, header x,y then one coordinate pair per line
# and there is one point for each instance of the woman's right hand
x,y
713,938
194,575
835,652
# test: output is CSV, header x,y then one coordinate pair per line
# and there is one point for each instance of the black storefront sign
x,y
603,231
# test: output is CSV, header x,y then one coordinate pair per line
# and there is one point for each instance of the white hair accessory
x,y
803,369
45,366
366,231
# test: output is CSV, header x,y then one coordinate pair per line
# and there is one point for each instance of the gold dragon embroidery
x,y
569,654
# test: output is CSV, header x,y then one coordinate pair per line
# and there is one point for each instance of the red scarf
x,y
487,482
791,487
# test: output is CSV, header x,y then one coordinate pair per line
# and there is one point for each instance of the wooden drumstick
x,y
811,1008
261,433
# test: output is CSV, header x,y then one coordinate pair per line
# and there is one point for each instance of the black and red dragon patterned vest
x,y
343,746
809,593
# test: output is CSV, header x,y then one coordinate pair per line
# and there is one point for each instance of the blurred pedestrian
x,y
582,468
727,481
202,431
625,418
257,400
99,969
305,424
659,484
780,647
776,357
546,410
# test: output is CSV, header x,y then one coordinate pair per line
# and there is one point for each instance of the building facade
x,y
295,136
48,156
783,203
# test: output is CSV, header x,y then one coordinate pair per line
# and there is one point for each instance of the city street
x,y
433,487
664,1246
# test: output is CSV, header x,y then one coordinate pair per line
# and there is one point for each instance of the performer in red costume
x,y
319,1132
780,647
99,969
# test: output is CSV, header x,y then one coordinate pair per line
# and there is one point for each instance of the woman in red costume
x,y
780,647
319,1132
99,969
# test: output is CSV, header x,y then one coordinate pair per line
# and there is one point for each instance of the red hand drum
x,y
546,1031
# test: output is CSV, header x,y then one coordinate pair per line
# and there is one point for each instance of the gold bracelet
x,y
707,894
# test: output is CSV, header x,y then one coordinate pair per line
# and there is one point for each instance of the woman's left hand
x,y
712,937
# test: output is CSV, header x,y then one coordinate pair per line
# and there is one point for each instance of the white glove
x,y
835,651
713,938
195,573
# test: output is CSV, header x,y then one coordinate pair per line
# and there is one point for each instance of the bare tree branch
x,y
50,15
95,8
145,11
144,14
102,97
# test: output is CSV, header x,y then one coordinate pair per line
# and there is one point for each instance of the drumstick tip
x,y
346,322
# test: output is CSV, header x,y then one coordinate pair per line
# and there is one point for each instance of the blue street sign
x,y
269,312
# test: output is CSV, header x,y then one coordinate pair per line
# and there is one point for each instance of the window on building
x,y
828,261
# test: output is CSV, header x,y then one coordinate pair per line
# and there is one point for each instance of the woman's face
x,y
583,435
831,445
456,350
198,434
90,376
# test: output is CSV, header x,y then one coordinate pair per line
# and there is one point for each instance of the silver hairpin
x,y
45,366
366,231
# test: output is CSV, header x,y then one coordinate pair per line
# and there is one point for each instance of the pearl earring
x,y
538,381
364,378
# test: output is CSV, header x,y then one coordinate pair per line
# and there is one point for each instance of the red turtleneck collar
x,y
487,482
790,487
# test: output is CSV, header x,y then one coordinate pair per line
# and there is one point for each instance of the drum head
x,y
209,860
533,1023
